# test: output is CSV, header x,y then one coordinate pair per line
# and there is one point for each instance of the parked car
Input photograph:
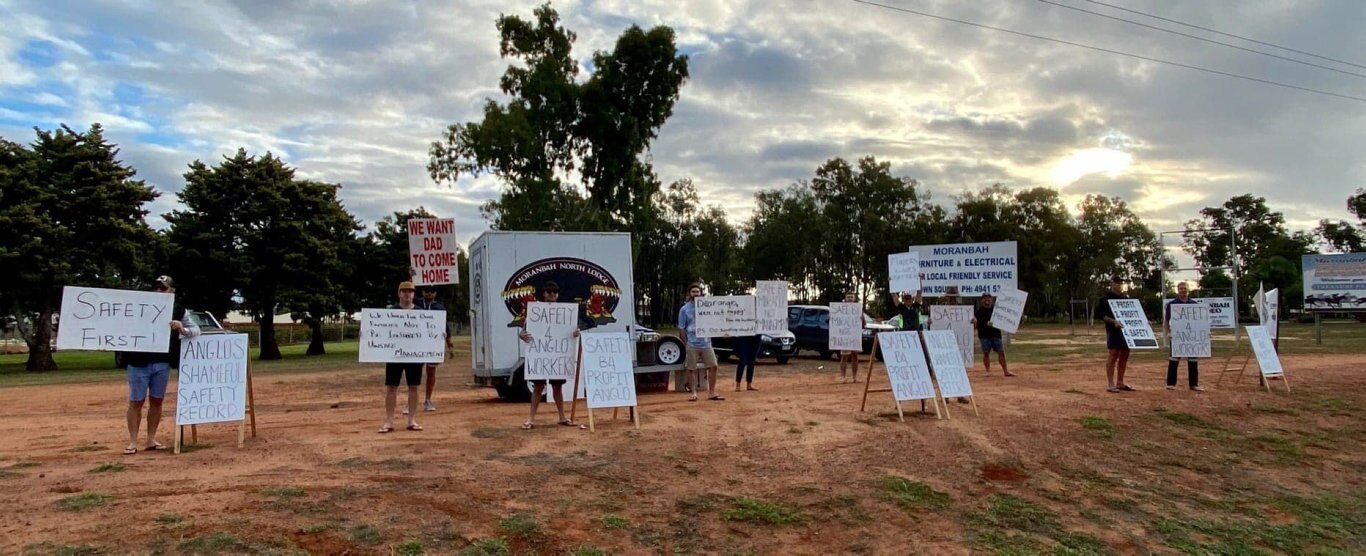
x,y
204,320
782,346
811,325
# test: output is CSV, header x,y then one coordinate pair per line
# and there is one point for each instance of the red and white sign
x,y
432,250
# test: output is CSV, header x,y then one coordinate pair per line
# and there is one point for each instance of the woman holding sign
x,y
1183,297
148,374
550,293
1118,358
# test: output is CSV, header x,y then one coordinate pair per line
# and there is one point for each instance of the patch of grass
x,y
1006,544
83,501
189,448
395,464
1279,446
1186,419
354,463
488,432
410,548
794,430
1080,543
62,550
317,528
169,519
697,504
1333,404
914,494
366,534
285,492
753,510
1099,427
588,551
90,448
1012,512
488,547
1271,410
25,465
646,536
216,543
520,525
613,521
108,468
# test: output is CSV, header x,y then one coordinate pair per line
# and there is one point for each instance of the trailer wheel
x,y
515,388
669,351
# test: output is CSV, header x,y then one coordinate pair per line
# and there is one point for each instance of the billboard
x,y
1335,282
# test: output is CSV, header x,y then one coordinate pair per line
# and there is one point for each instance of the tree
x,y
1341,235
1045,235
783,238
250,229
72,215
1115,242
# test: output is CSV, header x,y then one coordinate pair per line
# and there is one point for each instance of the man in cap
x,y
402,372
989,335
1118,359
149,373
550,293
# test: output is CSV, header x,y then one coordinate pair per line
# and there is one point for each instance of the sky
x,y
354,92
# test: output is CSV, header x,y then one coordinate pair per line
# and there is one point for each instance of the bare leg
x,y
153,419
1001,356
711,381
390,403
1122,365
412,405
1110,367
986,360
431,381
134,423
557,392
537,391
853,371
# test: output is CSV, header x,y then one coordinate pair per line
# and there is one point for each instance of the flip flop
x,y
154,447
414,427
717,398
129,451
692,399
384,430
1113,390
528,426
1128,388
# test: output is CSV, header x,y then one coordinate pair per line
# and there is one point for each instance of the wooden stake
x,y
635,415
574,394
251,399
591,426
869,379
179,433
973,399
194,434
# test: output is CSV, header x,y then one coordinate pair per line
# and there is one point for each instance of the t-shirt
x,y
1103,310
687,321
172,353
1168,312
983,316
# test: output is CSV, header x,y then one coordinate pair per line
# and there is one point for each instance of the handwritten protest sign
x,y
973,268
958,319
1138,334
904,271
1271,314
1010,304
770,302
99,319
432,248
1220,310
1190,324
846,326
554,350
212,387
949,369
725,316
402,336
607,374
1265,349
906,366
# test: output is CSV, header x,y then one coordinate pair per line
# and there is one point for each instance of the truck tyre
x,y
825,354
669,351
515,388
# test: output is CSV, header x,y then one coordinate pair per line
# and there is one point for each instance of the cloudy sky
x,y
353,92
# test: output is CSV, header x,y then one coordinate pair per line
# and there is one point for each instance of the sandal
x,y
385,430
717,398
1113,390
571,423
414,427
528,426
129,451
692,398
1128,388
154,447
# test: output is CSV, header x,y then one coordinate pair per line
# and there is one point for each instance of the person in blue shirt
x,y
1192,364
698,349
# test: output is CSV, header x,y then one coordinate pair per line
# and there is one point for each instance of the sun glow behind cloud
x,y
1085,162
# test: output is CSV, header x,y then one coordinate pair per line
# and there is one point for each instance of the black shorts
x,y
393,372
552,381
1114,339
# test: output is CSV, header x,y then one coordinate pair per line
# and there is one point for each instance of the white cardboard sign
x,y
554,350
1271,314
725,316
1138,334
1189,325
846,326
608,377
903,269
1265,349
949,369
99,319
432,249
974,268
906,365
402,336
212,386
1010,305
958,319
770,303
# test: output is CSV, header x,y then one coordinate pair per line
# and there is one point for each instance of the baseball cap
x,y
165,281
987,294
406,286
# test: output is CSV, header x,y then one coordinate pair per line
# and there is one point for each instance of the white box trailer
x,y
592,269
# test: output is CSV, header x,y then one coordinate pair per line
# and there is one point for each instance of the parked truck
x,y
592,269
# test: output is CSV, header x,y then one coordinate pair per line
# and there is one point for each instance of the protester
x,y
699,349
850,357
428,302
1118,359
149,373
411,373
908,309
748,348
989,335
550,293
1192,364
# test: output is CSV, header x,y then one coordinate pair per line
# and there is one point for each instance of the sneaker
x,y
428,406
1171,387
1197,389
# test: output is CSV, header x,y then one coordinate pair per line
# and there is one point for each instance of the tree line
x,y
572,154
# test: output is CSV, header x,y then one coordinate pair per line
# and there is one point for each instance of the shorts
x,y
394,372
993,344
1114,339
550,381
148,381
706,355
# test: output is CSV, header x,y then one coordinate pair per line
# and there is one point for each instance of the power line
x,y
1199,38
1193,26
1116,52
